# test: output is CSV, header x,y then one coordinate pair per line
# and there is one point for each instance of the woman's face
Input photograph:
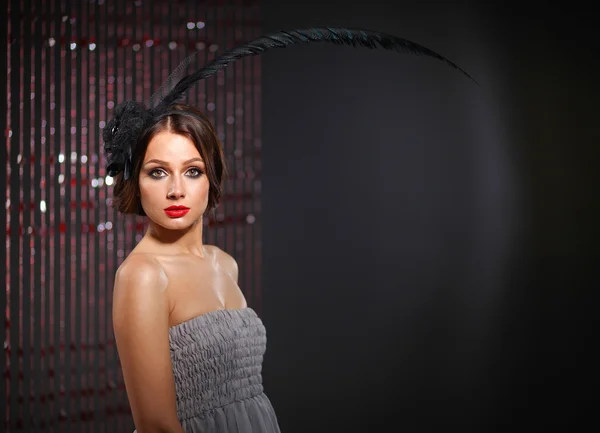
x,y
173,183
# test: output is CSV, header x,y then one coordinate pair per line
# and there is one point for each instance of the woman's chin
x,y
181,223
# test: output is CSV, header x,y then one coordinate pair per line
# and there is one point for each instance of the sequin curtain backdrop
x,y
67,64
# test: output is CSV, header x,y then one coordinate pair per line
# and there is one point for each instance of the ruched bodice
x,y
217,362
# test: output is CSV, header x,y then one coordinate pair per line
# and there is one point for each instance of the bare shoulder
x,y
221,256
141,270
225,260
139,289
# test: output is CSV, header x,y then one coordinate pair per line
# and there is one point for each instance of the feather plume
x,y
132,118
282,39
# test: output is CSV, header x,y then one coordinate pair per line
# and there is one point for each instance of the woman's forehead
x,y
173,148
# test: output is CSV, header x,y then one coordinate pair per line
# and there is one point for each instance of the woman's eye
x,y
156,173
194,172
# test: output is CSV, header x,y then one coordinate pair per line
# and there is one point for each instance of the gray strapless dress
x,y
217,362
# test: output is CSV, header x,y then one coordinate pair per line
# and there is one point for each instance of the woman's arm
x,y
141,327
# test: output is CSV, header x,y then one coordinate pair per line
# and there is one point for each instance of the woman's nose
x,y
176,189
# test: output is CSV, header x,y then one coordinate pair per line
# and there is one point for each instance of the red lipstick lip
x,y
177,208
176,211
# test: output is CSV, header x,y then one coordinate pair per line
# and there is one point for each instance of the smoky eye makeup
x,y
159,173
196,170
155,173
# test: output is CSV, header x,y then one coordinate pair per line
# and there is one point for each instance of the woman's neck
x,y
188,241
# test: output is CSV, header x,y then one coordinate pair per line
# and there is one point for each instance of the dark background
x,y
429,245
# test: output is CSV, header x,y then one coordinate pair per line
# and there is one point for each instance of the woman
x,y
190,348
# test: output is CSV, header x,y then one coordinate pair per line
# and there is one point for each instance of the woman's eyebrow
x,y
161,162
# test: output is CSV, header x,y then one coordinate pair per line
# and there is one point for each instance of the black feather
x,y
282,39
132,118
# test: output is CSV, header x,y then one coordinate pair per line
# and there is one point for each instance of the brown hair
x,y
182,120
